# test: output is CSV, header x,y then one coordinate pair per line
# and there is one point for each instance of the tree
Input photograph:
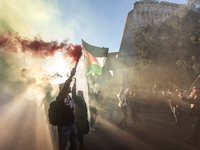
x,y
194,5
169,53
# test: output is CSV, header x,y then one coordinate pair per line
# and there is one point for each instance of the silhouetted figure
x,y
135,107
100,101
124,107
194,113
66,127
93,109
174,104
81,116
46,102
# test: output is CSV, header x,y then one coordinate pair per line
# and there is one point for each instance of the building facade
x,y
143,13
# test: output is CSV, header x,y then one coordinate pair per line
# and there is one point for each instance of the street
x,y
24,127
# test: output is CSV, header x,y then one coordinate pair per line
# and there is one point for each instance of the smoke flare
x,y
74,51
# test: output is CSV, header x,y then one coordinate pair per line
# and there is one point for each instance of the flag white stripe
x,y
100,61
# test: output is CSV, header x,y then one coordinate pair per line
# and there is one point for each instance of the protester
x,y
194,113
174,104
135,107
123,105
81,116
46,101
66,127
100,101
93,109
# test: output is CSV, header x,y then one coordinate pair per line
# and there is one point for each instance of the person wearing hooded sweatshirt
x,y
194,99
81,116
66,127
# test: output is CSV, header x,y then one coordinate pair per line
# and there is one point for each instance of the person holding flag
x,y
194,113
95,58
66,127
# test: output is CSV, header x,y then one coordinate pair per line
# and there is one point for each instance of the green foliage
x,y
168,54
194,5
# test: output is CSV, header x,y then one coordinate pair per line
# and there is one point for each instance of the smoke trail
x,y
12,42
34,63
30,68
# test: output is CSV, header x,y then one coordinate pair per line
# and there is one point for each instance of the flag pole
x,y
194,83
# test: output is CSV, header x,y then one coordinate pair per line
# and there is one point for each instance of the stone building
x,y
144,12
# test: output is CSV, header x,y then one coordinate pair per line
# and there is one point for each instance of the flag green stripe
x,y
95,69
95,51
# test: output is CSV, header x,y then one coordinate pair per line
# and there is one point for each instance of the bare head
x,y
80,93
195,89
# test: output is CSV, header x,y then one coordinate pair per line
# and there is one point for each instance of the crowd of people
x,y
74,122
194,100
175,99
73,119
128,98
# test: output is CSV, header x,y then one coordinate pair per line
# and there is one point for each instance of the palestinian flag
x,y
95,57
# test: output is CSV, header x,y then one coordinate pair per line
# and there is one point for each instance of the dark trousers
x,y
125,117
134,113
176,113
195,129
93,116
66,133
81,127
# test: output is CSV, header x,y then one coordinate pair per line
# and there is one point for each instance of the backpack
x,y
54,113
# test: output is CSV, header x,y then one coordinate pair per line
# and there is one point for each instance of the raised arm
x,y
74,96
65,90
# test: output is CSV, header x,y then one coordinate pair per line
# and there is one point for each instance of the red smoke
x,y
74,51
12,42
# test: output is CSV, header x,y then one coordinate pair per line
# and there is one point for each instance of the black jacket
x,y
195,99
80,106
66,107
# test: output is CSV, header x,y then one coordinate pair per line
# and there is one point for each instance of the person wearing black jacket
x,y
66,127
134,103
174,104
81,115
194,113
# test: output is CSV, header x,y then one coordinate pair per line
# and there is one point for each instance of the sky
x,y
24,77
100,22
